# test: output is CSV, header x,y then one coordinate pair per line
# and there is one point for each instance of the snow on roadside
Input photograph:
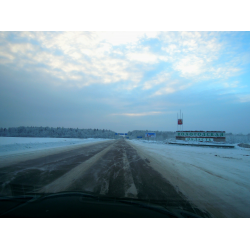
x,y
216,179
174,141
12,145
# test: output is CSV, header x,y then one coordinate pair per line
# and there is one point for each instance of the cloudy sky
x,y
126,80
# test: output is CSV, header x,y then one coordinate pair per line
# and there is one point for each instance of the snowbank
x,y
215,179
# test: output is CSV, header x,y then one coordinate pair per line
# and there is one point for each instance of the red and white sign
x,y
180,122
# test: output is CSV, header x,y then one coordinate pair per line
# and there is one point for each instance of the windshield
x,y
152,117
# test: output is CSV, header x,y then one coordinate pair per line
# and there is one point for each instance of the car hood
x,y
85,205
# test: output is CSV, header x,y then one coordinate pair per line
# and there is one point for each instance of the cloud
x,y
192,53
171,49
123,58
3,34
244,98
21,48
171,87
143,57
124,38
6,57
158,79
190,66
224,72
231,85
81,57
140,114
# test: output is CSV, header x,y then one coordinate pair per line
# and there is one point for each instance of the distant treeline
x,y
58,132
61,132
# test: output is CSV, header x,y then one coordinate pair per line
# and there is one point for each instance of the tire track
x,y
106,176
31,175
110,175
130,188
64,182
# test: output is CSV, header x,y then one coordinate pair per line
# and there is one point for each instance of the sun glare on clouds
x,y
81,59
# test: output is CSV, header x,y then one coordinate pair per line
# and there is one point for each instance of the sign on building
x,y
217,136
199,139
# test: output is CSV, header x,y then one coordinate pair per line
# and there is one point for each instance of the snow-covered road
x,y
111,168
215,179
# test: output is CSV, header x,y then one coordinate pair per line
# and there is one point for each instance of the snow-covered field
x,y
15,148
216,179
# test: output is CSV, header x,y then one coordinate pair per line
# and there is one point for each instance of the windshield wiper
x,y
9,203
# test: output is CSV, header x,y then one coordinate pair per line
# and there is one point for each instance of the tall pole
x,y
180,118
177,123
182,121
